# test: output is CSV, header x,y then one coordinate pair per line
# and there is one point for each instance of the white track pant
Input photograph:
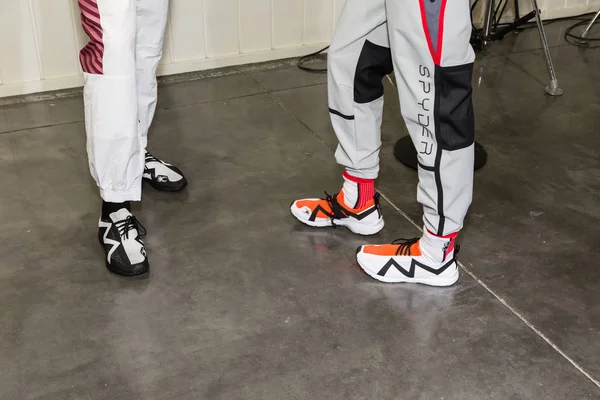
x,y
426,43
119,63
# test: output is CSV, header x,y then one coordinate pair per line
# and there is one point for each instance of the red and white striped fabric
x,y
91,56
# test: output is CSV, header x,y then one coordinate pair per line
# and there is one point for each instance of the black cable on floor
x,y
303,60
576,40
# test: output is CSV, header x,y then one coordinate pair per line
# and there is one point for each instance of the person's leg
x,y
151,25
115,150
358,60
434,62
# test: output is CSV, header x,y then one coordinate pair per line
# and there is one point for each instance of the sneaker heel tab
x,y
377,205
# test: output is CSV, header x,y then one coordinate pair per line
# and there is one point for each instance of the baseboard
x,y
570,11
184,66
237,59
46,85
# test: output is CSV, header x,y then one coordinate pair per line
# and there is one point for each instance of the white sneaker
x,y
429,260
331,212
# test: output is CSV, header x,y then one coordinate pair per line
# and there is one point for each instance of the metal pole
x,y
487,23
585,33
552,89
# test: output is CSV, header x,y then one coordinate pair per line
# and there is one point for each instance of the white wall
x,y
39,39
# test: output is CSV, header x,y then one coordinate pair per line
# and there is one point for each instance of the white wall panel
x,y
40,39
288,23
19,60
80,37
222,27
168,45
255,25
318,20
575,3
188,32
56,38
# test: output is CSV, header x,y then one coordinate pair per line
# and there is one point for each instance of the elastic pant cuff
x,y
369,174
432,225
114,196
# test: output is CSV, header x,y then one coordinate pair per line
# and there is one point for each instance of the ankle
x,y
437,248
109,208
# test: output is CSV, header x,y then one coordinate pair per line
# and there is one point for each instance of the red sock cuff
x,y
450,236
357,180
366,189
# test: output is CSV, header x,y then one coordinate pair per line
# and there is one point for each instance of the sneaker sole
x,y
143,268
166,189
352,225
433,281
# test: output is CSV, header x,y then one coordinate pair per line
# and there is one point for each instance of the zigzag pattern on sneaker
x,y
332,212
429,260
121,238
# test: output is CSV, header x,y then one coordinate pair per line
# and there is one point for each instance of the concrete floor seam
x,y
300,121
296,87
213,101
464,268
41,127
505,303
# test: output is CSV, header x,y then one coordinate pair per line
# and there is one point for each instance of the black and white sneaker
x,y
121,236
162,176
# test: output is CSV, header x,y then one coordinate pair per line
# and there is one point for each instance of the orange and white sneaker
x,y
333,212
429,260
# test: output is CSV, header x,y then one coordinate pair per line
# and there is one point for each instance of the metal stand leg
x,y
552,89
585,33
487,23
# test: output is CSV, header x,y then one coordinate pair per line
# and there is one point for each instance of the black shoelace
x,y
404,246
337,211
129,224
151,158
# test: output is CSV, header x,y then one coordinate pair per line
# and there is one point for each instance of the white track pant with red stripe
x,y
426,43
119,63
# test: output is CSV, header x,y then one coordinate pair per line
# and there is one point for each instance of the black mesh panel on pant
x,y
374,63
455,106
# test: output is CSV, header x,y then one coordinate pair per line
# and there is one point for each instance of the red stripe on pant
x,y
440,41
92,54
436,54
